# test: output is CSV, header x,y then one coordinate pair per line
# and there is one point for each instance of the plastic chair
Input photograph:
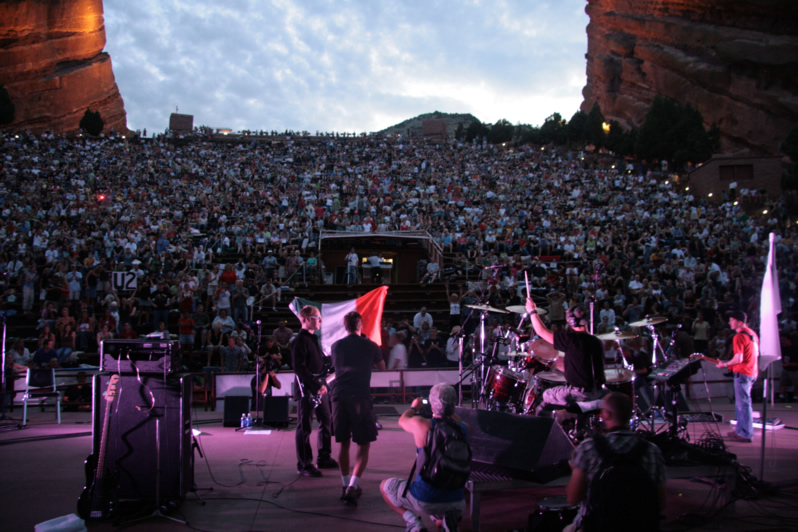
x,y
40,384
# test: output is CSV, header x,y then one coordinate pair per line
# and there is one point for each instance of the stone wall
x,y
736,61
53,66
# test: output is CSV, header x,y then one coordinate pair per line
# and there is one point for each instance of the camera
x,y
426,409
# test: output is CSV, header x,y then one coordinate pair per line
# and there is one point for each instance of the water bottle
x,y
249,420
243,421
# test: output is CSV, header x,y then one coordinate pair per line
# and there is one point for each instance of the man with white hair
x,y
445,506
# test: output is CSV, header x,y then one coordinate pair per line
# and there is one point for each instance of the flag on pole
x,y
769,310
369,305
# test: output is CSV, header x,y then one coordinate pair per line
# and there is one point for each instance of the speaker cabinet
x,y
234,406
275,410
138,452
534,448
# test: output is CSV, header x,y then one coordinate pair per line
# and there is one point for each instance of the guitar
x,y
715,361
98,499
328,374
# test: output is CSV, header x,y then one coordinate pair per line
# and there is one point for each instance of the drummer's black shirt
x,y
583,353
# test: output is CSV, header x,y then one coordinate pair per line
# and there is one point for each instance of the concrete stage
x,y
249,481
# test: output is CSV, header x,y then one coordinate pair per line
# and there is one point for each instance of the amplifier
x,y
147,356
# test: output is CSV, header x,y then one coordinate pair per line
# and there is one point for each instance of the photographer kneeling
x,y
444,505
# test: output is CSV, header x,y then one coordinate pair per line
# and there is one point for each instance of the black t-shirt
x,y
353,357
583,353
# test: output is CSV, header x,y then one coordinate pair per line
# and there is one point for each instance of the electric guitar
x,y
711,360
98,499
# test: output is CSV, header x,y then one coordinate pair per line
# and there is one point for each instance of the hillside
x,y
412,126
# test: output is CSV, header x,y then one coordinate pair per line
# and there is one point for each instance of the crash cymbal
x,y
517,354
521,309
654,320
487,308
616,336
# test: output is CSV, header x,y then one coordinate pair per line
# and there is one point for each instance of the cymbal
x,y
487,308
521,309
517,354
616,336
649,321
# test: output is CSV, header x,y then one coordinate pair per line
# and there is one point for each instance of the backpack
x,y
621,495
446,460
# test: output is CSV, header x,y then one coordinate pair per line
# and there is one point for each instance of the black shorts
x,y
353,418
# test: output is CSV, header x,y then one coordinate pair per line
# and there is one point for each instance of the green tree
x,y
502,131
476,130
576,127
459,133
7,109
620,141
553,130
676,134
92,123
594,127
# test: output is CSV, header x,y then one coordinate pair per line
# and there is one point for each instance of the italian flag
x,y
369,305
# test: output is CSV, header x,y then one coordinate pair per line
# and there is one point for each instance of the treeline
x,y
671,132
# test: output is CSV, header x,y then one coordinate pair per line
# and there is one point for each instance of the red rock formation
x,y
736,61
53,66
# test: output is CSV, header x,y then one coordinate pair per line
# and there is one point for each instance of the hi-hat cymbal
x,y
487,308
616,336
521,309
654,320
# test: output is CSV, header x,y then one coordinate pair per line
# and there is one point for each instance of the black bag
x,y
621,496
447,455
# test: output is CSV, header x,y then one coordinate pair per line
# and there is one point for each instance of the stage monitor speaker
x,y
532,448
275,410
234,406
131,444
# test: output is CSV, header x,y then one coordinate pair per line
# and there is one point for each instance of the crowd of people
x,y
580,227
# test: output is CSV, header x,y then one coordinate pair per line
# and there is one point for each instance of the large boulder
x,y
53,66
736,61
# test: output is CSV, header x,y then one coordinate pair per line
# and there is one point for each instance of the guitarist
x,y
309,362
745,365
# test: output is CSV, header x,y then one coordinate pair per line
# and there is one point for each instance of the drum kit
x,y
534,366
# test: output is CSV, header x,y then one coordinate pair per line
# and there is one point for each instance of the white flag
x,y
769,310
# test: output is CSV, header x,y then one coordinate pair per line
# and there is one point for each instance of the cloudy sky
x,y
345,65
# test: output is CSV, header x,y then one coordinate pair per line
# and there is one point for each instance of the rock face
x,y
736,61
53,66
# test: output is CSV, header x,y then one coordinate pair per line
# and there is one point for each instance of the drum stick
x,y
526,279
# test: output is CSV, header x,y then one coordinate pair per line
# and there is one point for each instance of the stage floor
x,y
248,481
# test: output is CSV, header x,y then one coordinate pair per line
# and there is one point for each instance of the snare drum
x,y
552,514
505,385
621,380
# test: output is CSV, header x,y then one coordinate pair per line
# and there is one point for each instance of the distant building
x,y
178,122
736,177
434,129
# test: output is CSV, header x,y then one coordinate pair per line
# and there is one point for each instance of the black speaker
x,y
134,448
536,448
234,406
275,410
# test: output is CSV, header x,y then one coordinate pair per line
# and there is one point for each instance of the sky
x,y
345,65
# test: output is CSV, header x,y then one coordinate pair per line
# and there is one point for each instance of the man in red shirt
x,y
745,365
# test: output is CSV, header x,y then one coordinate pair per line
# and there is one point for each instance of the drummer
x,y
584,359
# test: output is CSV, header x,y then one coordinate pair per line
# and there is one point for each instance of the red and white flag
x,y
369,305
769,310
